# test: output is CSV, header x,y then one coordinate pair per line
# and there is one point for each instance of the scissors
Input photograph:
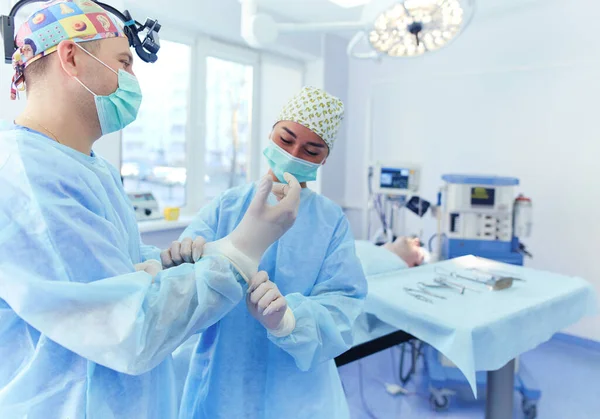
x,y
417,294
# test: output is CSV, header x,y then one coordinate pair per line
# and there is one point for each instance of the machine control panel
x,y
145,206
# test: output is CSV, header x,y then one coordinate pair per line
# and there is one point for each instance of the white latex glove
x,y
280,190
186,251
408,250
261,226
151,267
269,307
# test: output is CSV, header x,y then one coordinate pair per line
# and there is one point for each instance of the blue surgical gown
x,y
239,370
82,335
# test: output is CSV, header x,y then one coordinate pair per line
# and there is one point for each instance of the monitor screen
x,y
394,178
483,197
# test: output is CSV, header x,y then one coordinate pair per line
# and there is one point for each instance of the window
x,y
153,150
229,100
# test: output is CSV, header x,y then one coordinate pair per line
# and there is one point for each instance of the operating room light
x,y
414,27
393,28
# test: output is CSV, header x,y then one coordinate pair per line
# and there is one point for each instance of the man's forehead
x,y
116,46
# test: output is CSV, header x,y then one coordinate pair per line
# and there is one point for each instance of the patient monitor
x,y
396,179
392,188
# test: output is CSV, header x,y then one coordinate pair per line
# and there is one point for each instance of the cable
x,y
377,205
405,393
429,244
416,353
361,391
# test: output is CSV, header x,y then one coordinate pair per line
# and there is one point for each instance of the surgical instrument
x,y
443,283
444,277
491,284
496,273
417,294
424,290
494,284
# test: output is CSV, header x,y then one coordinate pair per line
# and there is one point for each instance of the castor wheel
x,y
440,403
529,409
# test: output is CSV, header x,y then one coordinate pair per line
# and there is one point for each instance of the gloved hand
x,y
151,267
186,251
280,190
408,250
261,226
269,307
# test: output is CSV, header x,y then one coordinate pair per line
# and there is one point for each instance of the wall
x,y
516,95
335,82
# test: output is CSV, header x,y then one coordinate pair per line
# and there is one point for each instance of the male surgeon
x,y
88,320
273,356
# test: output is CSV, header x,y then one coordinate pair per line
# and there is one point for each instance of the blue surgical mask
x,y
120,108
281,161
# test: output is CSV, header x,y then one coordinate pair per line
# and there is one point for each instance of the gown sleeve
x,y
65,270
325,318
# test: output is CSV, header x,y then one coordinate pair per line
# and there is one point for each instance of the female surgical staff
x,y
88,320
267,363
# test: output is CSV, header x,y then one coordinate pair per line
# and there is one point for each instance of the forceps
x,y
423,288
417,294
444,283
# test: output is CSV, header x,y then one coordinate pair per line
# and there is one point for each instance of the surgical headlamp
x,y
146,49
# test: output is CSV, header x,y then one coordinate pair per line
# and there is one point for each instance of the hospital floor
x,y
567,376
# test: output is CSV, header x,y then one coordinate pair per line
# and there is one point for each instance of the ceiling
x,y
326,11
201,13
310,10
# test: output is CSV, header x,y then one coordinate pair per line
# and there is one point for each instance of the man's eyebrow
x,y
289,132
127,55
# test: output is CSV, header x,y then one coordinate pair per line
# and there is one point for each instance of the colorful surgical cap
x,y
56,21
318,111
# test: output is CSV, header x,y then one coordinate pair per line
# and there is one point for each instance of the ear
x,y
70,60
